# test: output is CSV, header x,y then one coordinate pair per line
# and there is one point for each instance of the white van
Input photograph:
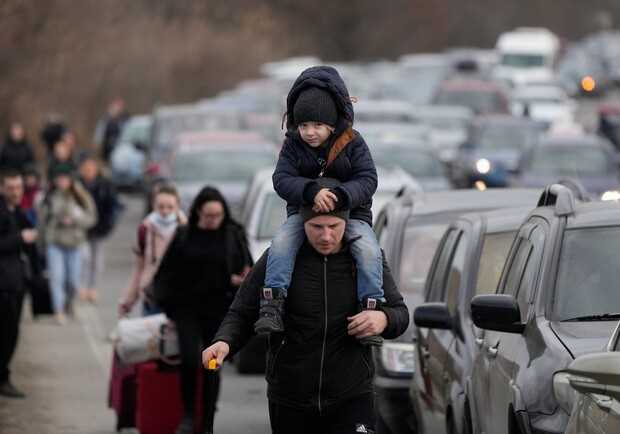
x,y
527,55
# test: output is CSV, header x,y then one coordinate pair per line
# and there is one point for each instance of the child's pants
x,y
366,253
64,269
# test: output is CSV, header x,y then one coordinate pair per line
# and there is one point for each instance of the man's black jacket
x,y
314,363
11,247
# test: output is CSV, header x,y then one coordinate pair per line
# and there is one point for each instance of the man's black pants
x,y
10,315
194,336
356,415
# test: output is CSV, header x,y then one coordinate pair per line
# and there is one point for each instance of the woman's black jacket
x,y
314,363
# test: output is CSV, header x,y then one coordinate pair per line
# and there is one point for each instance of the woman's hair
x,y
166,189
208,194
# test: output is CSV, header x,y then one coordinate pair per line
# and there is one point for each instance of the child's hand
x,y
325,201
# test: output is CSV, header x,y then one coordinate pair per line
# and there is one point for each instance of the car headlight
x,y
483,166
611,195
397,357
564,393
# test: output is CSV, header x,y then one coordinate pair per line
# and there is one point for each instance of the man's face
x,y
89,170
325,233
13,190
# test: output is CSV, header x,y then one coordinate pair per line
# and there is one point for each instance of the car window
x,y
272,216
570,161
221,165
531,270
419,245
495,250
455,274
438,280
587,280
514,273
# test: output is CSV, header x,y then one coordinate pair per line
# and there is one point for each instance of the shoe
x,y
61,319
9,391
186,426
271,312
376,340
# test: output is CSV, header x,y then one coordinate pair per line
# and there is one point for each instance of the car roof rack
x,y
560,197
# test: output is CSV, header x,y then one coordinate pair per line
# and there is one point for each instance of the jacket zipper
x,y
324,330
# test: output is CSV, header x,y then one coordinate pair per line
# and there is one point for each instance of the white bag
x,y
146,338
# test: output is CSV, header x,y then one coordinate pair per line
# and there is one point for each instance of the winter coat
x,y
78,205
314,363
11,248
52,133
349,158
177,289
104,194
16,155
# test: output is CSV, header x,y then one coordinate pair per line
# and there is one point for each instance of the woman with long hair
x,y
198,278
65,215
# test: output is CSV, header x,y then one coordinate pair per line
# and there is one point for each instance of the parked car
x,y
415,158
589,159
595,380
577,67
226,160
609,123
557,299
127,158
469,259
545,103
409,230
382,110
481,96
492,150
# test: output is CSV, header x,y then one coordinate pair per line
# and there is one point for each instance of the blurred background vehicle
x,y
480,96
546,103
128,157
589,159
492,151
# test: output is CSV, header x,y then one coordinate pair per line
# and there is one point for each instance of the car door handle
x,y
479,342
492,351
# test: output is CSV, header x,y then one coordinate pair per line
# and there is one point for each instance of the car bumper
x,y
492,180
393,404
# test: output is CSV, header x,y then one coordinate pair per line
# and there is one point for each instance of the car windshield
x,y
221,165
523,60
417,163
273,214
494,253
478,101
419,244
136,131
506,137
569,160
587,281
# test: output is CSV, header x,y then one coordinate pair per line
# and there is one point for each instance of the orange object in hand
x,y
212,365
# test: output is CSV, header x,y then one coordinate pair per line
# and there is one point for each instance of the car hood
x,y
434,183
592,184
584,337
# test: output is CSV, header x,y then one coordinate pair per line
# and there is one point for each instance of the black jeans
x,y
10,315
194,336
356,415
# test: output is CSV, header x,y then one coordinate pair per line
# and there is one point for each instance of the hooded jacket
x,y
314,363
349,159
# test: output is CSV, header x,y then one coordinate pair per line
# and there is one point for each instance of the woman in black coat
x,y
16,153
198,278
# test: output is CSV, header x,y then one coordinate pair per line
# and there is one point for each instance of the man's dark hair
x,y
9,173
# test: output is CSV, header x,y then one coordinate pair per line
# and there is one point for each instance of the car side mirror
x,y
597,373
498,312
433,316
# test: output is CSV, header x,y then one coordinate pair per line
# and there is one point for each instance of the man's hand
x,y
237,279
367,323
217,351
29,236
325,201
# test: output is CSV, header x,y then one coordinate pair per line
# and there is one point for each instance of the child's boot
x,y
376,341
271,314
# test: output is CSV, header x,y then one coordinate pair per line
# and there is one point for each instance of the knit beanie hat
x,y
307,213
60,169
315,105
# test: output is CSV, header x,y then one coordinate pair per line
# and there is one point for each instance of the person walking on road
x,y
17,151
106,200
66,214
154,235
195,285
319,375
16,237
109,128
321,142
